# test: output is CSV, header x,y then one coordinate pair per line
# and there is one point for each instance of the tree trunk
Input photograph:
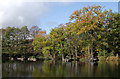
x,y
88,51
76,51
62,57
73,55
91,48
92,35
53,52
54,56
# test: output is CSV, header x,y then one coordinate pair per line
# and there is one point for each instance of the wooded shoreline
x,y
34,58
91,34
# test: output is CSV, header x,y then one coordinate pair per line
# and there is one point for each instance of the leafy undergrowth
x,y
84,60
110,58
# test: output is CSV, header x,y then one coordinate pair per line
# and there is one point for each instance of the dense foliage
x,y
18,40
90,31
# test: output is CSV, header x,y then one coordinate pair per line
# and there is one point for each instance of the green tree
x,y
89,21
24,32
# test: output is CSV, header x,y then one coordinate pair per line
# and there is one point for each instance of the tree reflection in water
x,y
60,69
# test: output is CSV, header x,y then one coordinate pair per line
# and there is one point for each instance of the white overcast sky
x,y
19,13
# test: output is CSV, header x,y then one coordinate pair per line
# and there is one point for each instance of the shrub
x,y
112,58
102,53
101,58
84,60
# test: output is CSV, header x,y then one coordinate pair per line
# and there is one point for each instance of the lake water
x,y
59,69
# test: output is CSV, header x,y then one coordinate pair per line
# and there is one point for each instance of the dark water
x,y
59,69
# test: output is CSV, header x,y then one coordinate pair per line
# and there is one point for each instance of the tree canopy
x,y
90,30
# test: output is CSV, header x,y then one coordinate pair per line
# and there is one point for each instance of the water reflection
x,y
60,69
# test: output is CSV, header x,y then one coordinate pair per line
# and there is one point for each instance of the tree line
x,y
18,40
90,31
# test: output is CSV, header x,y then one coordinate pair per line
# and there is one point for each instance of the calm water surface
x,y
59,69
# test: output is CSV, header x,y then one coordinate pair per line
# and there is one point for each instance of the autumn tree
x,y
34,31
90,21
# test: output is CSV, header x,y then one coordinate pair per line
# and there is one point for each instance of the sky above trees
x,y
46,15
